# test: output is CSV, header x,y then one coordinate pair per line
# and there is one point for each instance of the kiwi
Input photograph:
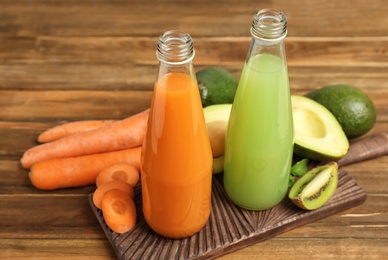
x,y
316,187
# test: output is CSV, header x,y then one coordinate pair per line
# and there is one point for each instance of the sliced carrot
x,y
120,171
79,171
122,134
119,211
70,128
120,185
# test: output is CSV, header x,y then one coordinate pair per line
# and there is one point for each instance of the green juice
x,y
259,139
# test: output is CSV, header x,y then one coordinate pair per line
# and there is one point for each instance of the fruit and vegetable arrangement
x,y
107,153
324,121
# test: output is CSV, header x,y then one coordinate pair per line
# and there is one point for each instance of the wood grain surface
x,y
69,60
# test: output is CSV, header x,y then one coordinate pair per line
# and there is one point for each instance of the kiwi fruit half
x,y
316,187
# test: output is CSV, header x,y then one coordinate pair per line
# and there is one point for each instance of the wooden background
x,y
69,60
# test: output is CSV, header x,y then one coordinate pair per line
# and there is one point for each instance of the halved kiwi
x,y
316,187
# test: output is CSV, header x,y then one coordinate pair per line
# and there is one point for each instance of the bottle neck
x,y
175,51
269,28
175,48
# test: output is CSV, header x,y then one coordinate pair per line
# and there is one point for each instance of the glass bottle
x,y
259,139
176,164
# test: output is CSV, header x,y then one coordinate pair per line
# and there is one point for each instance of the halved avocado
x,y
218,164
217,117
318,135
217,112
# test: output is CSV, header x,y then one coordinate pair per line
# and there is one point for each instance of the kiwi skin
x,y
316,187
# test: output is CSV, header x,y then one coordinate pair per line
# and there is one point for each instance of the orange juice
x,y
176,159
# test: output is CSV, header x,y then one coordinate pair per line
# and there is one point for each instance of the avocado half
x,y
215,113
318,135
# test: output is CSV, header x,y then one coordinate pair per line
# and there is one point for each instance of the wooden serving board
x,y
229,227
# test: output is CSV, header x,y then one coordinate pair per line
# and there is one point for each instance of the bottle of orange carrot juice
x,y
176,164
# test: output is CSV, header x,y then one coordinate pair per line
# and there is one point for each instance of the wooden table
x,y
69,60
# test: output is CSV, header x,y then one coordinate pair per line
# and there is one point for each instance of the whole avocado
x,y
216,86
352,107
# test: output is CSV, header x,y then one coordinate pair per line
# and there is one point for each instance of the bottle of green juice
x,y
259,138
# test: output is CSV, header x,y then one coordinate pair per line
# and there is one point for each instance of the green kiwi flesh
x,y
316,187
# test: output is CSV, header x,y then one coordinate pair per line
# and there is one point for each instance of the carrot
x,y
119,211
121,171
78,171
100,191
122,134
70,128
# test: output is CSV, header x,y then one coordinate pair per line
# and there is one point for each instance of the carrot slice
x,y
119,211
120,171
122,134
78,171
70,128
103,188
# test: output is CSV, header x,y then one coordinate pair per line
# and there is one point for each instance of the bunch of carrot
x,y
73,154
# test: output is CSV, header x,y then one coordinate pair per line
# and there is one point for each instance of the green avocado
x,y
352,108
217,118
216,86
318,135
